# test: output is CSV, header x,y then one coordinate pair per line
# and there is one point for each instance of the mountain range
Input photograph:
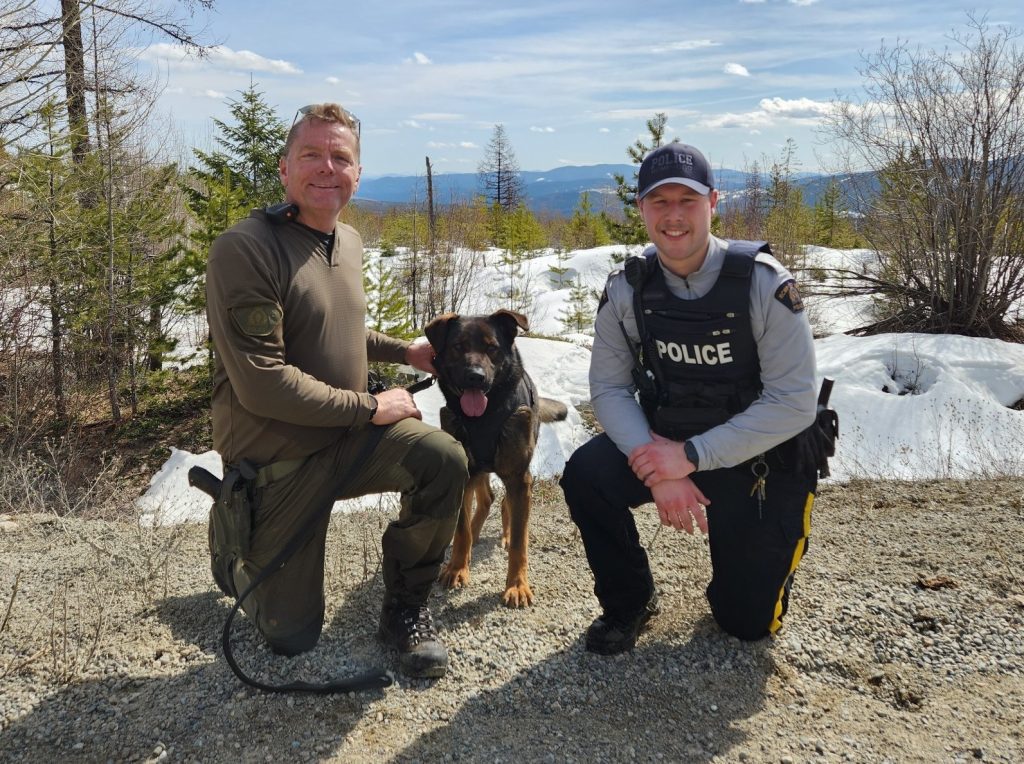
x,y
554,191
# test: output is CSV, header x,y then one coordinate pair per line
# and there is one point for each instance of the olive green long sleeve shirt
x,y
290,343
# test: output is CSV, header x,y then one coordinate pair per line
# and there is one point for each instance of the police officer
x,y
286,310
712,337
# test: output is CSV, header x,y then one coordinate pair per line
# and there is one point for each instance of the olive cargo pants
x,y
426,465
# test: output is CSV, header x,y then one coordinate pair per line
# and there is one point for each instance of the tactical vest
x,y
701,353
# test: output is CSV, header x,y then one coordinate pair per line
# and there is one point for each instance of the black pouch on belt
x,y
231,525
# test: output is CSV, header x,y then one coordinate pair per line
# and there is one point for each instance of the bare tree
x,y
944,133
42,51
92,207
499,172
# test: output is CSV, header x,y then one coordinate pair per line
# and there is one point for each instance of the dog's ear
x,y
437,330
508,320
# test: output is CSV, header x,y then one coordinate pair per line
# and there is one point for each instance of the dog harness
x,y
481,434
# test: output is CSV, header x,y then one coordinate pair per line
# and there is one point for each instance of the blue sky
x,y
573,82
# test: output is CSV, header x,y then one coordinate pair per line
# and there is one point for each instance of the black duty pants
x,y
754,551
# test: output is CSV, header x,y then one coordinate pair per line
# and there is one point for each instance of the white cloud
x,y
802,2
535,129
437,116
644,113
459,145
603,130
729,120
796,108
802,111
218,57
213,94
738,69
332,80
421,58
411,123
684,45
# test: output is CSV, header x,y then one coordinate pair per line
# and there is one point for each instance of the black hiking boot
x,y
410,630
614,633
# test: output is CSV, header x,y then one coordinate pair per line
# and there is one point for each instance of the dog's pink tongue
x,y
473,402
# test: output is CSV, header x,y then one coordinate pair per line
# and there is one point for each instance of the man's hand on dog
x,y
394,405
397,403
680,504
420,355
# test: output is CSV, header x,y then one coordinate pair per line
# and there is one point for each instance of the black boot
x,y
410,630
614,633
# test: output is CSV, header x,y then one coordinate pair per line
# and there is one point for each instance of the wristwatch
x,y
691,453
373,408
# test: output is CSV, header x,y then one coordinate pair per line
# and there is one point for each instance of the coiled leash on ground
x,y
369,680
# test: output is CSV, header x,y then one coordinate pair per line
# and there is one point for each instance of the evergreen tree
x,y
520,236
787,224
225,184
585,229
632,230
578,314
559,270
831,227
249,150
387,310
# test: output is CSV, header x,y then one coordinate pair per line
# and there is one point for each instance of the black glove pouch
x,y
230,529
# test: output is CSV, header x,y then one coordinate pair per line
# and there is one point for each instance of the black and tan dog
x,y
492,409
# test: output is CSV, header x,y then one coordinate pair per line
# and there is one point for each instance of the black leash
x,y
370,680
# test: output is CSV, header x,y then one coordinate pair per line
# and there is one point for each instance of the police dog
x,y
492,409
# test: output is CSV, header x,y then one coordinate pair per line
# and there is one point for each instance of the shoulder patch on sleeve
x,y
257,320
789,296
604,292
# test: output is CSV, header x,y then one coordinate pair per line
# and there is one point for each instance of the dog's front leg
x,y
518,493
455,572
484,499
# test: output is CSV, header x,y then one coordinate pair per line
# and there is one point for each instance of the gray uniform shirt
x,y
785,347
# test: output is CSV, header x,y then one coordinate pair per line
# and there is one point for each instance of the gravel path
x,y
905,642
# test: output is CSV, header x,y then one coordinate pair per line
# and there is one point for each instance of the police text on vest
x,y
699,355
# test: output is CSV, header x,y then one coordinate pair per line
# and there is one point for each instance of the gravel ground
x,y
904,642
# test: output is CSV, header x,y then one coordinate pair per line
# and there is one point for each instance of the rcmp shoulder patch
x,y
257,320
789,296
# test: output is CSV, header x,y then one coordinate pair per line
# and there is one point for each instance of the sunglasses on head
x,y
352,118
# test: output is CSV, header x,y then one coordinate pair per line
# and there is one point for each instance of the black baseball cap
x,y
675,163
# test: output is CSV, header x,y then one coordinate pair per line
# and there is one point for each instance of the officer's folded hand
x,y
681,504
661,459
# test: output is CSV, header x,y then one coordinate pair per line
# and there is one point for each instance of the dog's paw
x,y
452,577
519,595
